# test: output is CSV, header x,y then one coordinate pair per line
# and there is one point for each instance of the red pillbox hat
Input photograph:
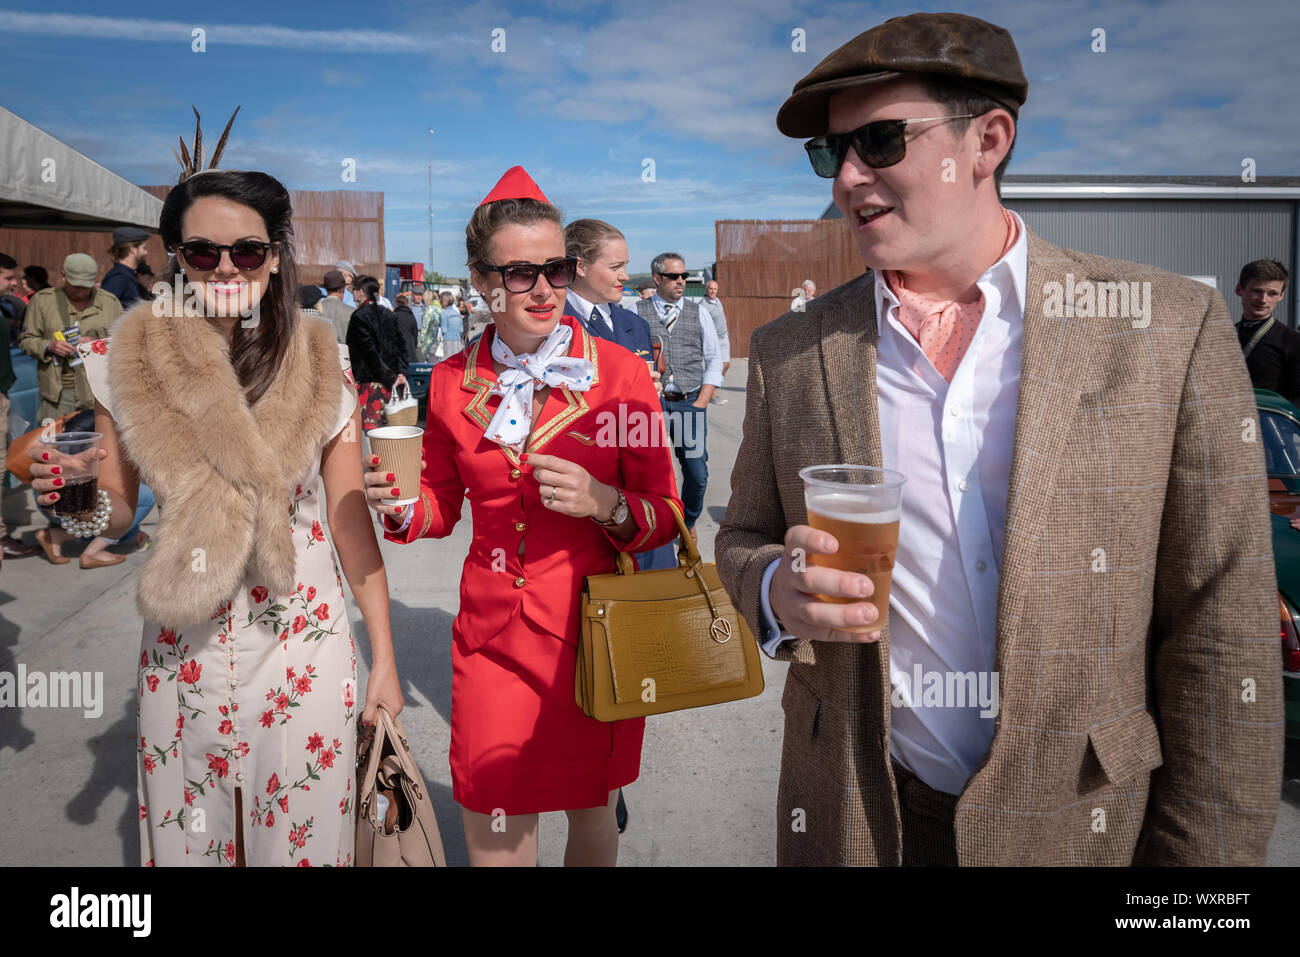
x,y
515,184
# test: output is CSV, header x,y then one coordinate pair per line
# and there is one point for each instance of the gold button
x,y
519,583
520,526
515,473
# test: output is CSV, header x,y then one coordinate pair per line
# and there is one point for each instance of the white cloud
x,y
217,34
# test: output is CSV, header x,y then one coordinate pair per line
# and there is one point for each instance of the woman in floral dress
x,y
247,672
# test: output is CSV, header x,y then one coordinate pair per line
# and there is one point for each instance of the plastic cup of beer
x,y
77,455
861,507
398,448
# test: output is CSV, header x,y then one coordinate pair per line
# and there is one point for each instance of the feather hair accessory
x,y
192,161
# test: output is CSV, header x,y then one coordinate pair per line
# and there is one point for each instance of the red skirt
x,y
519,743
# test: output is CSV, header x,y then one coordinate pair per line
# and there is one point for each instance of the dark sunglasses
x,y
880,144
245,254
522,277
675,275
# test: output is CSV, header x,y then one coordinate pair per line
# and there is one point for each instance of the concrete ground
x,y
706,795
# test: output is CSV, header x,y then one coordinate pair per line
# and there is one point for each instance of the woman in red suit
x,y
527,424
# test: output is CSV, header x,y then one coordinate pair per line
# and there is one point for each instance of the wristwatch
x,y
620,512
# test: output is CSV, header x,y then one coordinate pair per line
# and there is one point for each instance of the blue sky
x,y
584,93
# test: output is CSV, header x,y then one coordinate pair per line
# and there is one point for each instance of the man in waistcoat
x,y
692,373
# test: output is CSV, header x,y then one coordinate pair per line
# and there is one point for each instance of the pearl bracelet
x,y
92,527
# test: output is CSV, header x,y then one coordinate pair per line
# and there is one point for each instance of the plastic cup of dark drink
x,y
77,455
861,506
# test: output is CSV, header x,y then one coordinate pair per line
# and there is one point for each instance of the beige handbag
x,y
662,640
405,832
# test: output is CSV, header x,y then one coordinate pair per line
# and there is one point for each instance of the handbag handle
x,y
689,554
385,728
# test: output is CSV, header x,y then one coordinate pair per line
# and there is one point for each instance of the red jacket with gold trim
x,y
524,557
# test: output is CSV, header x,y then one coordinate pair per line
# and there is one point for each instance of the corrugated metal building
x,y
1203,226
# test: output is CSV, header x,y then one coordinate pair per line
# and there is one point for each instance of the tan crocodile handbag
x,y
662,640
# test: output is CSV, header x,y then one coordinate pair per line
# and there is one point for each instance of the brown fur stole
x,y
225,470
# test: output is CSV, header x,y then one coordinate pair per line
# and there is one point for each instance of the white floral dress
x,y
263,698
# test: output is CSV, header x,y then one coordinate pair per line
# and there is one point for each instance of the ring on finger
x,y
551,500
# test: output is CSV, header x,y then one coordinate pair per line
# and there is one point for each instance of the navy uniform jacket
x,y
630,330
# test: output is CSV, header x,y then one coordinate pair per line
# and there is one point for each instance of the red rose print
x,y
298,490
152,681
288,674
315,742
299,624
284,804
304,862
268,719
323,612
220,765
349,697
311,592
302,685
149,764
243,749
272,783
337,745
189,796
230,851
327,758
225,727
223,709
99,347
167,636
282,702
316,532
259,594
270,819
143,812
190,672
144,659
180,722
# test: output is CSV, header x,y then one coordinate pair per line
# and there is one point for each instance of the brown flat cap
x,y
968,50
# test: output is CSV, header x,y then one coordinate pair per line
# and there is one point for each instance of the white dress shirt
x,y
709,335
953,443
583,310
714,308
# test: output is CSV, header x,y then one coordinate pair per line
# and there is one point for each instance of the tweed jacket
x,y
1141,712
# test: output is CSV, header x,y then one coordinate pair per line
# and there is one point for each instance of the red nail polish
x,y
54,496
374,460
397,492
58,482
45,456
391,477
56,469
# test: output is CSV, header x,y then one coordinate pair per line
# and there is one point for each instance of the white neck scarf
x,y
550,365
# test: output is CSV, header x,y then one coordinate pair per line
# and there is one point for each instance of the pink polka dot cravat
x,y
943,328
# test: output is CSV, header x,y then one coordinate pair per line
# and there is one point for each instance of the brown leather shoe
x,y
13,548
89,561
46,543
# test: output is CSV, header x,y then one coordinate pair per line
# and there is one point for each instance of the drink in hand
x,y
861,507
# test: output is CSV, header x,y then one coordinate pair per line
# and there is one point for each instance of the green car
x,y
1279,423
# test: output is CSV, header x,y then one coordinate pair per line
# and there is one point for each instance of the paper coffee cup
x,y
398,448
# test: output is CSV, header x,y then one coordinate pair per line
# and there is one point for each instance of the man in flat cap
x,y
129,252
49,336
1080,663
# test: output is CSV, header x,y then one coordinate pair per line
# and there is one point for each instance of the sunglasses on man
x,y
522,277
203,255
673,275
880,144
